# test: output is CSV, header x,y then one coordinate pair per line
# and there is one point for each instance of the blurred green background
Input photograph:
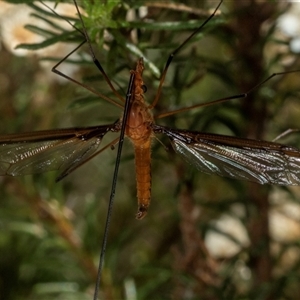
x,y
51,233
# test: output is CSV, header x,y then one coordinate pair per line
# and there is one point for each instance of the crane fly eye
x,y
144,88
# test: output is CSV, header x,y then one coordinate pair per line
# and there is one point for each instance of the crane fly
x,y
66,149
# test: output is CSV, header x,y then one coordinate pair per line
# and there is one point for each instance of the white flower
x,y
289,23
219,244
13,19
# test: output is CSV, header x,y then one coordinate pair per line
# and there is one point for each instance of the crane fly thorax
x,y
138,122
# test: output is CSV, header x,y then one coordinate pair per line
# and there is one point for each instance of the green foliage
x,y
51,232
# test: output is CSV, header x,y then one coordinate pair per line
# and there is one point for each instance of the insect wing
x,y
243,159
44,151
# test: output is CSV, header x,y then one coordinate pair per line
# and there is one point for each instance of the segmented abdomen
x,y
143,177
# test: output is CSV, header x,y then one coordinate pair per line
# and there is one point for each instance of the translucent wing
x,y
245,159
43,151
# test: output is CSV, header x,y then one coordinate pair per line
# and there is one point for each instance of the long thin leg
x,y
95,60
221,100
121,138
72,169
285,133
171,56
56,71
113,187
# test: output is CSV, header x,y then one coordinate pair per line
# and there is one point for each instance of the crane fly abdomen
x,y
143,177
138,129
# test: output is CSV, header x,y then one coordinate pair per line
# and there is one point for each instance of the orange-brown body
x,y
140,133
